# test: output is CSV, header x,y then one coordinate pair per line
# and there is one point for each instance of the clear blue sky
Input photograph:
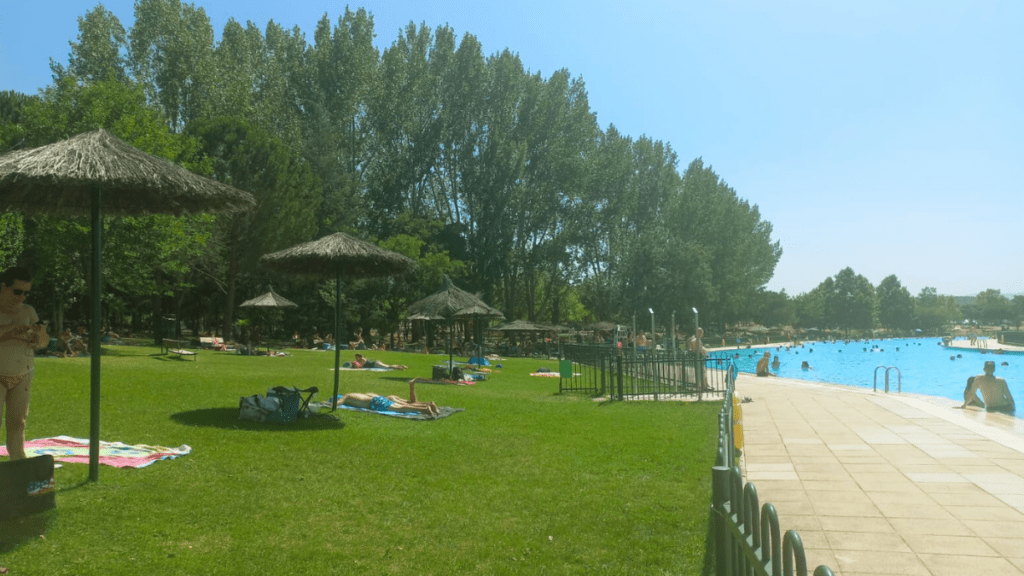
x,y
883,135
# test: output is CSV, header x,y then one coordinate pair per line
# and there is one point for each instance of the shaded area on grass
x,y
228,418
21,531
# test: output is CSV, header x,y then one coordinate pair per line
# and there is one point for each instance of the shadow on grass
x,y
709,546
227,418
22,531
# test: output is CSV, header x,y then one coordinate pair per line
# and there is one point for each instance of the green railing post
x,y
721,518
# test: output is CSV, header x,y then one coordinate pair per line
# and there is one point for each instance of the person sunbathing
x,y
362,362
372,401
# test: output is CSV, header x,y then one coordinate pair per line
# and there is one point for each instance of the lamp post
x,y
673,328
696,323
651,339
633,334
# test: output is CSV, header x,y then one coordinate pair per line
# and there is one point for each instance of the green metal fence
x,y
648,375
747,538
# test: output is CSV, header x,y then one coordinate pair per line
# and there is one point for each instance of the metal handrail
x,y
899,378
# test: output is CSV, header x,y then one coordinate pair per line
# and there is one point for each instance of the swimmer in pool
x,y
805,366
994,390
762,365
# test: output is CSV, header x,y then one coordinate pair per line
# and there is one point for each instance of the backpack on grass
x,y
26,487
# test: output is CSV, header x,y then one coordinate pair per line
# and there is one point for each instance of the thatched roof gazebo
x,y
270,299
96,172
449,303
339,256
64,177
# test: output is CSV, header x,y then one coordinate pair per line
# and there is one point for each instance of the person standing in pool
x,y
762,365
994,390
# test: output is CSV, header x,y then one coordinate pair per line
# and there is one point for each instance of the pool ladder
x,y
899,378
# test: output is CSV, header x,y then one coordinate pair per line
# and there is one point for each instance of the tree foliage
x,y
470,162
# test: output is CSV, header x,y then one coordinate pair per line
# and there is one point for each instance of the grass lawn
x,y
524,481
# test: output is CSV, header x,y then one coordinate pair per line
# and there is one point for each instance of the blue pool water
x,y
923,363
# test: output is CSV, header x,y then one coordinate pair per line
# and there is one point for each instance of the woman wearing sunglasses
x,y
20,335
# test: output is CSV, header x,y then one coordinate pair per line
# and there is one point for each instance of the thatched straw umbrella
x,y
339,256
96,172
451,302
268,300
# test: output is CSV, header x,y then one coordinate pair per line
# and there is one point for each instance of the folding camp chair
x,y
294,401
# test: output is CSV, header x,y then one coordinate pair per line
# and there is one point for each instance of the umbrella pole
x,y
337,338
451,345
95,336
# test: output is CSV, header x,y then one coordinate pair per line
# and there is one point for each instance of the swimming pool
x,y
923,363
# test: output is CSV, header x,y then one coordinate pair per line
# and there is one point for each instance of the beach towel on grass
x,y
364,369
117,454
551,374
445,412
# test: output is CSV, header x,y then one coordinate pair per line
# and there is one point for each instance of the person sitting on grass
x,y
372,401
361,362
994,390
762,365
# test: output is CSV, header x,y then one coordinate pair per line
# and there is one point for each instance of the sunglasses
x,y
20,292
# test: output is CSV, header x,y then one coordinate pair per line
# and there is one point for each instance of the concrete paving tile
x,y
798,523
821,556
1001,489
750,458
994,528
1014,500
849,447
834,485
769,486
888,486
838,475
870,467
820,460
965,499
904,497
860,458
959,487
866,541
879,476
919,511
795,441
757,476
852,496
1017,562
873,562
856,524
833,508
923,526
959,545
950,565
770,467
785,496
936,477
999,513
997,478
1007,547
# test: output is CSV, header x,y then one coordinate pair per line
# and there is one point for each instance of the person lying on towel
x,y
361,362
380,403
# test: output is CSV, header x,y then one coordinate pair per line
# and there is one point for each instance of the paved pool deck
x,y
887,484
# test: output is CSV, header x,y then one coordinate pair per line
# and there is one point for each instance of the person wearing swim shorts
x,y
380,403
994,390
